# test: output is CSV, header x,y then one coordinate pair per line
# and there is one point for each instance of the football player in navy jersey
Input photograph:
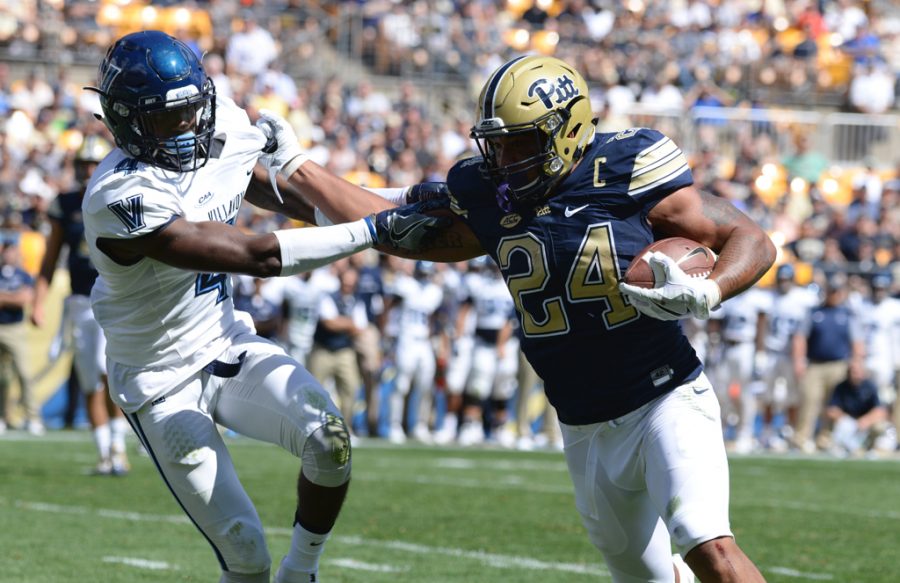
x,y
563,210
107,421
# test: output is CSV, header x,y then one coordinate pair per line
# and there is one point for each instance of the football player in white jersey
x,y
460,340
158,213
300,305
494,360
416,298
880,319
740,320
785,310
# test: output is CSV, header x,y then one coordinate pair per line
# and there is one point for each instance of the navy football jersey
x,y
562,260
66,209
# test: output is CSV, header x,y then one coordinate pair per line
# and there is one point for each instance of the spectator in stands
x,y
805,162
857,414
16,289
251,50
829,338
872,89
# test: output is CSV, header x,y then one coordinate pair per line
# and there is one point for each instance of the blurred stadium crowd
x,y
380,93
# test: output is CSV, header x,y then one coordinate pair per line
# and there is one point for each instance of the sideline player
x,y
158,216
107,421
563,210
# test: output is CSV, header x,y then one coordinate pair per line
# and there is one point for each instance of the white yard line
x,y
494,560
787,572
363,566
489,559
141,563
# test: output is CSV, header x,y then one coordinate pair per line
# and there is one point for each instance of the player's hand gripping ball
x,y
667,280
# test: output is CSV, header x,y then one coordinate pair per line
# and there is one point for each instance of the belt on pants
x,y
217,368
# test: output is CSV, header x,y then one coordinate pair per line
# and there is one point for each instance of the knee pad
x,y
244,551
326,453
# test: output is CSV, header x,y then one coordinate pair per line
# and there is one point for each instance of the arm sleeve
x,y
306,249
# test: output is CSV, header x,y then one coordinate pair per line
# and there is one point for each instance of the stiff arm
x,y
343,201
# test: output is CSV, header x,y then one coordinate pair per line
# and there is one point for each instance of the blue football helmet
x,y
157,101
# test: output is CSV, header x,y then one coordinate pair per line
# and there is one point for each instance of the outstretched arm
x,y
340,200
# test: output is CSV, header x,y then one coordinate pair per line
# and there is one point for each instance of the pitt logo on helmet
x,y
553,94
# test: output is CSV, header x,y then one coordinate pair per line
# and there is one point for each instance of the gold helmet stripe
x,y
487,105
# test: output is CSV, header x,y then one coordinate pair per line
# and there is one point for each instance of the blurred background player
x,y
492,375
416,300
459,341
300,314
880,320
107,421
739,324
787,307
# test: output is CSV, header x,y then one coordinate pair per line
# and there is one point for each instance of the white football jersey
x,y
163,323
492,302
420,299
785,313
302,297
881,331
741,314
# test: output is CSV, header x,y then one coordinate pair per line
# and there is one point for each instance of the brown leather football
x,y
696,259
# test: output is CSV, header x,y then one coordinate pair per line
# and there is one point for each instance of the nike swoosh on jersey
x,y
570,212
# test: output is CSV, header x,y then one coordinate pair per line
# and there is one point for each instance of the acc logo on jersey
x,y
511,220
552,94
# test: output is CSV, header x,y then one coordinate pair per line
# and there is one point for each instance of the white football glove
x,y
282,154
680,297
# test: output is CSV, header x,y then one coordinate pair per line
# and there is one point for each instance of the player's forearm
x,y
216,247
338,199
746,256
259,193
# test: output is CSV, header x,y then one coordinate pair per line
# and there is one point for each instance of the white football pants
x,y
271,398
650,478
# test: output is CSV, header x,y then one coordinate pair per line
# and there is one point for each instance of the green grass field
x,y
424,515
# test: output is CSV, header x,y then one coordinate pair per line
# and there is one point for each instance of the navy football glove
x,y
405,227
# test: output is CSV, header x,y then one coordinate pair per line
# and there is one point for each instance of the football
x,y
696,259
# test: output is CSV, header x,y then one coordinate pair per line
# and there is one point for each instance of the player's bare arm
x,y
203,246
45,275
745,251
341,200
260,194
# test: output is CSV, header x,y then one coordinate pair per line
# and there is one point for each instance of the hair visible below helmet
x,y
150,82
542,97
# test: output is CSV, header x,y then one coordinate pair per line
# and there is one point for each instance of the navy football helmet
x,y
157,101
